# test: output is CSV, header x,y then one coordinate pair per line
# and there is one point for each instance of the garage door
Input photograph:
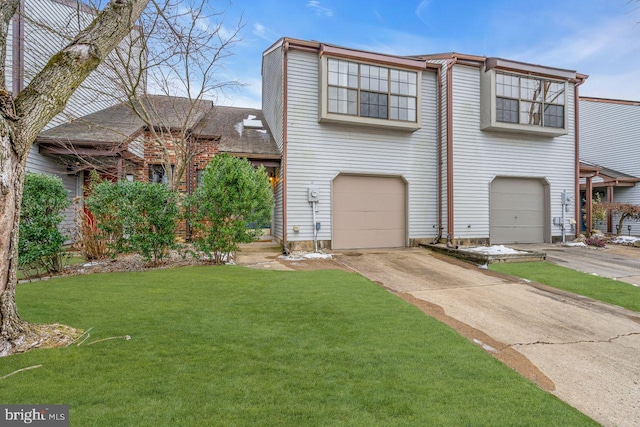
x,y
368,212
518,211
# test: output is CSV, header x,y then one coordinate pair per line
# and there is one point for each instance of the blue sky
x,y
600,38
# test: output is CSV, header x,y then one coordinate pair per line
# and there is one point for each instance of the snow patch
x,y
493,250
300,256
625,240
575,244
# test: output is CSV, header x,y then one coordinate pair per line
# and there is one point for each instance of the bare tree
x,y
170,82
22,117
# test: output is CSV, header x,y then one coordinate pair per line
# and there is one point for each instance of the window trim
x,y
327,117
489,115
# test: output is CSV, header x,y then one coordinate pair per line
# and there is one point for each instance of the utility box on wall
x,y
314,194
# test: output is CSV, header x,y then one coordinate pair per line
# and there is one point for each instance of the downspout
x,y
17,72
450,210
189,173
283,167
439,153
576,102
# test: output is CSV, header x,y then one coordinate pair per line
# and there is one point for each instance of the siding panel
x,y
610,137
317,153
480,156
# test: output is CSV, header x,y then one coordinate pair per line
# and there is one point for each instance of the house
x,y
118,144
40,29
381,150
609,154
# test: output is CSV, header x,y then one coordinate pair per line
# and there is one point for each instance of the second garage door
x,y
369,212
518,210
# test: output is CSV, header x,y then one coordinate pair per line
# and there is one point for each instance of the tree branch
x,y
48,92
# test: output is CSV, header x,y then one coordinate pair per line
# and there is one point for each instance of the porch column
x,y
609,212
588,206
120,168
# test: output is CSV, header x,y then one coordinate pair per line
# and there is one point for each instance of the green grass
x,y
234,346
599,288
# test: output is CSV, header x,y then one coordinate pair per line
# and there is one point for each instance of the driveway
x,y
585,352
615,261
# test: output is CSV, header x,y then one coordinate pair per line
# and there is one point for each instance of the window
x,y
524,103
158,175
529,100
383,94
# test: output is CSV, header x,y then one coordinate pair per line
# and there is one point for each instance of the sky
x,y
600,38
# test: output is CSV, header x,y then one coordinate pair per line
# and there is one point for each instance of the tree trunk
x,y
22,117
11,182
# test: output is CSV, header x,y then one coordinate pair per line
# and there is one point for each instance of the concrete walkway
x,y
588,351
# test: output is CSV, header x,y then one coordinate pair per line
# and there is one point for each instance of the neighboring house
x,y
118,144
610,154
40,29
381,150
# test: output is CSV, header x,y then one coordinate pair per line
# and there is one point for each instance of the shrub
x,y
137,217
594,241
92,242
627,211
40,242
229,207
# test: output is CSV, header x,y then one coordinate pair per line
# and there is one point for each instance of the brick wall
x,y
204,150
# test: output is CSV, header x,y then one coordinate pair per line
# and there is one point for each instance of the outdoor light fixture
x,y
617,228
629,228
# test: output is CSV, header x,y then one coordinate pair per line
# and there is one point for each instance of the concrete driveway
x,y
615,261
585,352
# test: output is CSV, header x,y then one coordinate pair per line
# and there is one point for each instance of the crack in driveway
x,y
575,342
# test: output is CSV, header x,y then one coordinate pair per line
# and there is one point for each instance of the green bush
x,y
40,242
229,207
138,217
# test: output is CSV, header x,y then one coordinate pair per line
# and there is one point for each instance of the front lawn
x,y
598,288
233,346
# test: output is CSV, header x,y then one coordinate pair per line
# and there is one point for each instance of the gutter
x,y
576,103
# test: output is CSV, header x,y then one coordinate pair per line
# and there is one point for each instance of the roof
x,y
242,131
423,61
608,175
610,101
118,124
113,125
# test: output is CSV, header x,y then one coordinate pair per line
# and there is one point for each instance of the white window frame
x,y
329,117
488,116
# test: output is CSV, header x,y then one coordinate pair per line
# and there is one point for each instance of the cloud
x,y
319,10
259,30
609,53
422,11
385,40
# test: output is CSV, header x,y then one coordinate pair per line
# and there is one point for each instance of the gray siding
x,y
480,156
273,110
49,25
610,137
72,183
41,42
317,153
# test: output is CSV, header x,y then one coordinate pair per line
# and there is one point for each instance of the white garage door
x,y
368,212
518,211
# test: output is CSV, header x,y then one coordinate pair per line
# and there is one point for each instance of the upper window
x,y
371,92
522,103
529,100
